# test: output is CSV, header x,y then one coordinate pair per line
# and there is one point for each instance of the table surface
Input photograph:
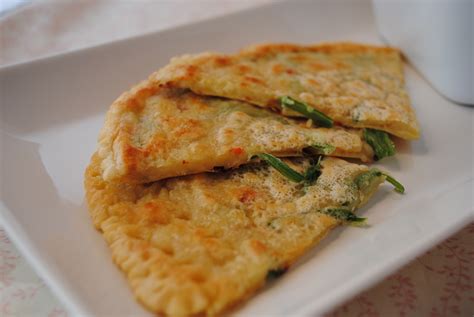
x,y
438,283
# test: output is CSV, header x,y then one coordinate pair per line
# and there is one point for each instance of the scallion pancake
x,y
153,133
196,245
356,85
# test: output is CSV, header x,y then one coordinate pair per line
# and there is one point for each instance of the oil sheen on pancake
x,y
196,245
356,85
153,133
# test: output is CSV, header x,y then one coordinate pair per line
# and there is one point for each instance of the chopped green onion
x,y
309,177
282,167
307,111
380,143
398,186
363,180
344,215
313,172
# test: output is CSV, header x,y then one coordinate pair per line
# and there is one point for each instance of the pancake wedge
x,y
153,133
198,244
355,85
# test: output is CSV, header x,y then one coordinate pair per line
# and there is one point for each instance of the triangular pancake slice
x,y
356,85
154,133
201,243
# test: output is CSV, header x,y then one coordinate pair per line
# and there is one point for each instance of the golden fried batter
x,y
198,244
153,133
356,85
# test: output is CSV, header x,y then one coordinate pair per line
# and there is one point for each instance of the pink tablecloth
x,y
439,283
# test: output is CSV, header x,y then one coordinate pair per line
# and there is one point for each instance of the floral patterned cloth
x,y
22,292
438,284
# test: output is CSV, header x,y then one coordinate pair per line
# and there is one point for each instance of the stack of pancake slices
x,y
218,171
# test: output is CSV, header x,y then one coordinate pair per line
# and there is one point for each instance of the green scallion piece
x,y
313,172
396,184
344,215
281,167
380,143
317,116
364,180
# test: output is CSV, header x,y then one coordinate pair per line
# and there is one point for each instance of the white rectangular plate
x,y
52,110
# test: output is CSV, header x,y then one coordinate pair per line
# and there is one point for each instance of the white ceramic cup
x,y
437,37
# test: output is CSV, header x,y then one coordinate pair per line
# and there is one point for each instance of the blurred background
x,y
39,28
436,36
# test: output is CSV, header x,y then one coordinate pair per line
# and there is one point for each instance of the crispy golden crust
x,y
326,48
198,244
154,133
356,85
